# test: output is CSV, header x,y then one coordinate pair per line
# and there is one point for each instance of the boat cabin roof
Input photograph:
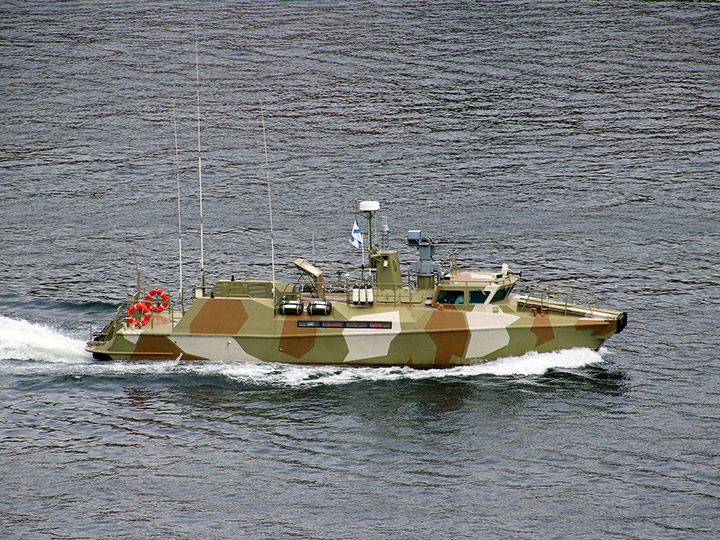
x,y
474,287
478,277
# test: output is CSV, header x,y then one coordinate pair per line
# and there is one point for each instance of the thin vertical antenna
x,y
272,237
362,251
137,270
177,169
197,78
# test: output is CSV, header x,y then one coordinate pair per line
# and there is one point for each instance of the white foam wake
x,y
297,376
23,340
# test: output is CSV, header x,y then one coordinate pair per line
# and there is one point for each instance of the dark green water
x,y
570,140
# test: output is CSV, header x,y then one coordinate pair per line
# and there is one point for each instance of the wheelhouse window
x,y
450,297
501,294
478,297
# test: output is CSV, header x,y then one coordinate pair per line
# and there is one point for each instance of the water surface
x,y
570,140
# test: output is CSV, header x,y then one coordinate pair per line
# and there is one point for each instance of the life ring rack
x,y
143,316
157,300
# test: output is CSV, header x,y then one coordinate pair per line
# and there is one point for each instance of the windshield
x,y
450,297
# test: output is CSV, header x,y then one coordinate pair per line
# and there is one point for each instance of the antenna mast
x,y
197,78
267,169
177,169
137,270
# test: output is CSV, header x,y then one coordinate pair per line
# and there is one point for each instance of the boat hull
x,y
247,329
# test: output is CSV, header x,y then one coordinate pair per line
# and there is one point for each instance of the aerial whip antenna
x,y
177,169
197,78
137,270
267,170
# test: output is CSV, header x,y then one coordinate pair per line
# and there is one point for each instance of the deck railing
x,y
104,329
560,295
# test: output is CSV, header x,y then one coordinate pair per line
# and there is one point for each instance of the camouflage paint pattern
x,y
247,328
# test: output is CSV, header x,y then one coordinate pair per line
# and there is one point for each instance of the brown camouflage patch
x,y
448,330
599,328
222,316
542,328
296,341
159,348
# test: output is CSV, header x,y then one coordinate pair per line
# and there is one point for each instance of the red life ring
x,y
139,307
157,300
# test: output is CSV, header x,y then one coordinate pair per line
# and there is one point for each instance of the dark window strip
x,y
344,324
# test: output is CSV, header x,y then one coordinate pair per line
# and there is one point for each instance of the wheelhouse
x,y
474,288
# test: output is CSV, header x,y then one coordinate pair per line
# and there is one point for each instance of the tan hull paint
x,y
419,337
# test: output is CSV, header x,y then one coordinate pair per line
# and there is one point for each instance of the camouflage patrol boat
x,y
435,315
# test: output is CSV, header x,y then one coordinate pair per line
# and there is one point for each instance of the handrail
x,y
111,325
563,294
505,280
451,261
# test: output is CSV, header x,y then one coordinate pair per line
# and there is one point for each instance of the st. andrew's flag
x,y
356,238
